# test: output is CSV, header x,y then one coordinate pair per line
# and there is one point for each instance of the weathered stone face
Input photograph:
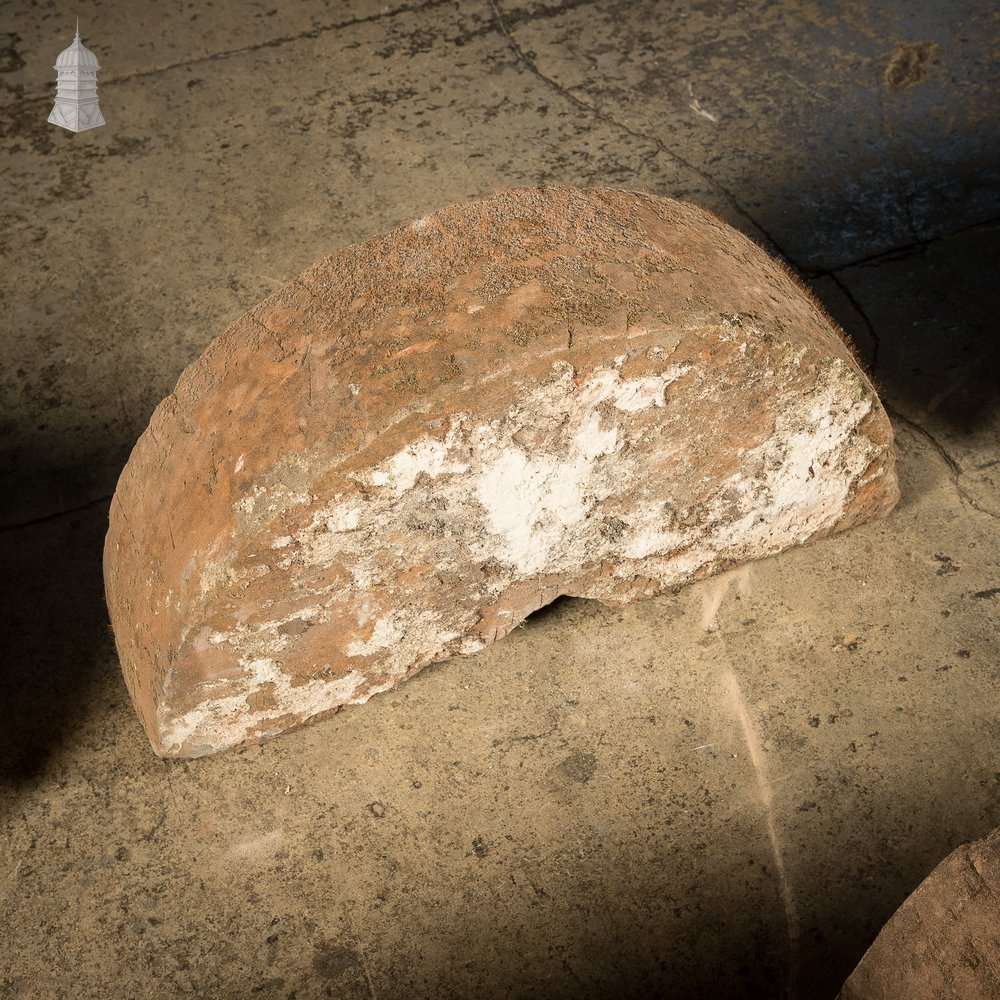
x,y
405,451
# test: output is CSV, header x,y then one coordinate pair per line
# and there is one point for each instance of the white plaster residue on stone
x,y
792,485
530,501
598,387
264,503
214,564
344,517
310,615
248,503
648,539
429,457
323,540
402,638
281,542
630,395
534,501
424,640
221,574
641,393
443,638
592,440
361,576
363,607
386,633
671,569
796,482
223,722
807,467
266,639
216,572
205,638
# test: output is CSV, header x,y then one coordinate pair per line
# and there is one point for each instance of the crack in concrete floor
x,y
955,470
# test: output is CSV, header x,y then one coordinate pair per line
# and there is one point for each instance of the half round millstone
x,y
401,454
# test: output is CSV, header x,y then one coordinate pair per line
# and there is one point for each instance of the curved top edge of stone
x,y
409,273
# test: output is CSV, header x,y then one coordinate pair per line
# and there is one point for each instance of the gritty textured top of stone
x,y
372,349
943,943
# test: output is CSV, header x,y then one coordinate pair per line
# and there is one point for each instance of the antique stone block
x,y
409,448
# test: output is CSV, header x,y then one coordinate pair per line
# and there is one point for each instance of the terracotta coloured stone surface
x,y
943,943
401,454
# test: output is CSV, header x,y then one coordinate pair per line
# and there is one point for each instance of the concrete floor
x,y
722,792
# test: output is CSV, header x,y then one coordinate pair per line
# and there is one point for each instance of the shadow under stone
x,y
54,635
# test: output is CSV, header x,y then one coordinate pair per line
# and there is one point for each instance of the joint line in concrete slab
x,y
282,40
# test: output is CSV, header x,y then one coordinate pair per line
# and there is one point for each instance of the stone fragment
x,y
405,451
943,943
